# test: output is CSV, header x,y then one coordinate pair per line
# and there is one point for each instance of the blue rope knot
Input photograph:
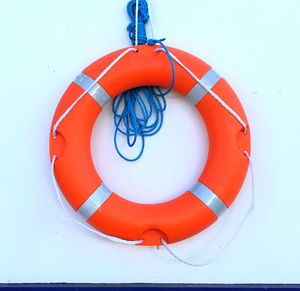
x,y
138,112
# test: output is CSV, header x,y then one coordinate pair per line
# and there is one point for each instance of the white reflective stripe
x,y
196,94
209,198
210,79
198,91
89,207
97,92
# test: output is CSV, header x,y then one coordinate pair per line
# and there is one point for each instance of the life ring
x,y
194,210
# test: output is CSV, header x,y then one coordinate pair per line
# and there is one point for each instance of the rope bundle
x,y
138,112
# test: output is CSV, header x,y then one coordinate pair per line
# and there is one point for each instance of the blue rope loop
x,y
139,112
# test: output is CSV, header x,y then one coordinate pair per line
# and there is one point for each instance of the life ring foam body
x,y
175,220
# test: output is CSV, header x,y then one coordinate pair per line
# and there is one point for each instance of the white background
x,y
44,44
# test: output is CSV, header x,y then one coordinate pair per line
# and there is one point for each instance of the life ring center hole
x,y
171,163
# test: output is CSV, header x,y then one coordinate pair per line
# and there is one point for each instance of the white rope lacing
x,y
136,22
237,229
62,117
101,75
211,92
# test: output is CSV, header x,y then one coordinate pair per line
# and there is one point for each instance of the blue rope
x,y
143,18
138,112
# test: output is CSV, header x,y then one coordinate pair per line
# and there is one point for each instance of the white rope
x,y
101,75
250,209
212,93
182,260
136,21
103,235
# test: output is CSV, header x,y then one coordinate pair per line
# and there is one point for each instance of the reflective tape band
x,y
198,91
89,207
209,198
97,92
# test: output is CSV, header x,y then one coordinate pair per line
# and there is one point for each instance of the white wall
x,y
44,44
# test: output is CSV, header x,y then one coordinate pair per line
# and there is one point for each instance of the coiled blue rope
x,y
143,18
138,112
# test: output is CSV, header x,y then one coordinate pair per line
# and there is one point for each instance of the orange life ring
x,y
194,210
